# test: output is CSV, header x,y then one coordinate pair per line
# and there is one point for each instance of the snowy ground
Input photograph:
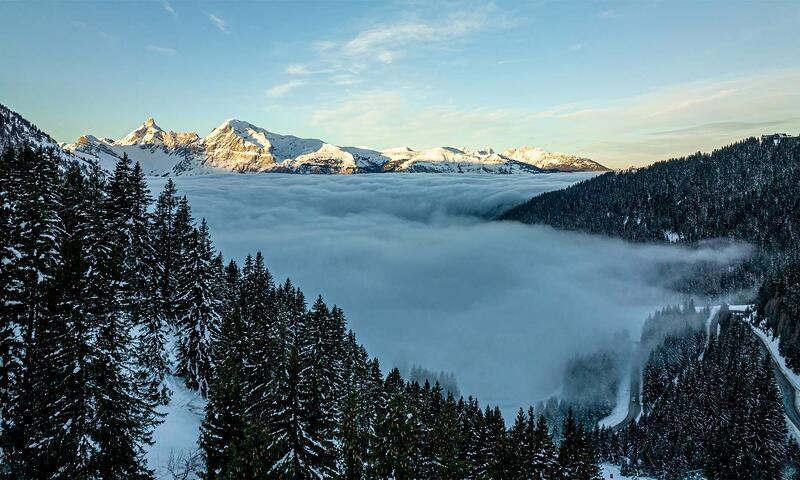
x,y
426,279
177,436
612,471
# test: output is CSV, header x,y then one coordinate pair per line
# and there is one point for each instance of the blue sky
x,y
621,82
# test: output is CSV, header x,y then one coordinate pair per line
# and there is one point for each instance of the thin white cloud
x,y
345,79
350,61
324,45
219,22
284,88
168,8
389,42
576,47
162,50
608,14
301,69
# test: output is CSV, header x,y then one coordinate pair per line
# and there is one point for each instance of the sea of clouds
x,y
426,277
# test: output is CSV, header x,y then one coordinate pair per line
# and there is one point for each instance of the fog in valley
x,y
426,278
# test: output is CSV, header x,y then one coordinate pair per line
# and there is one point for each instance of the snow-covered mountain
x,y
553,160
16,130
239,146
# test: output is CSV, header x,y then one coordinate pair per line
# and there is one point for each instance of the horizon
x,y
620,86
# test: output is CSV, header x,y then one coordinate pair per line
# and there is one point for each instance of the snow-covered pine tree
x,y
321,338
495,444
8,255
446,434
143,270
124,415
223,427
519,446
66,345
471,419
262,351
374,400
393,450
200,311
569,453
183,231
543,455
354,428
35,212
227,336
768,425
166,249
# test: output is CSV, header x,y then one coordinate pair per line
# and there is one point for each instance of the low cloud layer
x,y
425,279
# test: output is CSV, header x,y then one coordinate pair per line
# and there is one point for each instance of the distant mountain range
x,y
238,146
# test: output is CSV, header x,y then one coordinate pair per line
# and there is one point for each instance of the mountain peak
x,y
150,123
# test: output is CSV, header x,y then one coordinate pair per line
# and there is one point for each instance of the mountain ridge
x,y
240,146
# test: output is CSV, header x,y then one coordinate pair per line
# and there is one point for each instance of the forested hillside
x,y
711,408
747,191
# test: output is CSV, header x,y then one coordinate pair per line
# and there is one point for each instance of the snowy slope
x,y
454,160
608,471
16,130
239,146
179,432
553,160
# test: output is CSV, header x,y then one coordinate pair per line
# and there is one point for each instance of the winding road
x,y
635,402
788,390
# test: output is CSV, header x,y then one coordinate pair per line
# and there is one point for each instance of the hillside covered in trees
x,y
748,191
711,406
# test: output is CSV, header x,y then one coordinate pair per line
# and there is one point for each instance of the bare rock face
x,y
151,135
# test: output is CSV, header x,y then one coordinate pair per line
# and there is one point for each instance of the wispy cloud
x,y
162,50
389,42
284,88
221,24
301,69
324,45
353,59
85,26
344,79
168,8
576,47
722,127
608,14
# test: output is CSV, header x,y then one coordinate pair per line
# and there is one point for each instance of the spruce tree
x,y
143,271
66,344
543,456
166,249
199,300
8,256
124,415
393,453
35,244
